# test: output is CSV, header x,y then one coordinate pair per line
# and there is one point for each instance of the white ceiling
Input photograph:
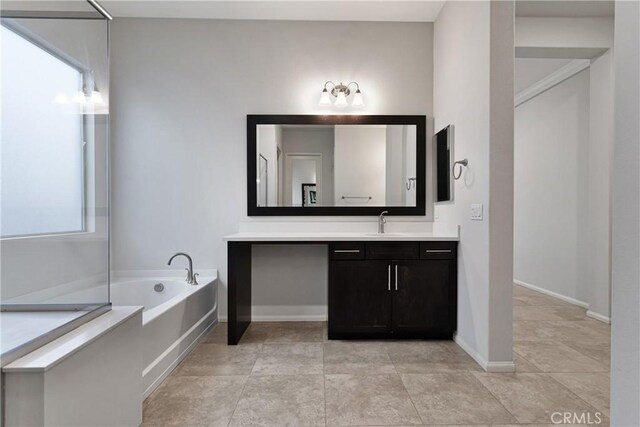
x,y
529,70
565,9
47,6
300,10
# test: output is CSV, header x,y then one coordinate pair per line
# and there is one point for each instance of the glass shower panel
x,y
54,223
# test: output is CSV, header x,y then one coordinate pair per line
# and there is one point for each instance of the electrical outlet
x,y
476,212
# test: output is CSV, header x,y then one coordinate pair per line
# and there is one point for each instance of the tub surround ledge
x,y
53,353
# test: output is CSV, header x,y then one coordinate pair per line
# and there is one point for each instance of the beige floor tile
x,y
288,332
520,301
427,357
553,356
533,398
253,335
220,359
218,335
530,331
598,351
368,400
521,291
356,358
523,365
194,401
289,359
596,325
281,400
591,387
454,398
579,331
532,312
541,299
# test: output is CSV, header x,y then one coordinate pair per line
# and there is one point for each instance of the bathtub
x,y
173,319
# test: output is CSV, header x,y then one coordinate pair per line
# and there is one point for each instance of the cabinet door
x,y
424,298
359,298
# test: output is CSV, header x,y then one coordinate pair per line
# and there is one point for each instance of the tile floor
x,y
289,374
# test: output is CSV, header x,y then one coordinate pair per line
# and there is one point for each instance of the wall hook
x,y
462,163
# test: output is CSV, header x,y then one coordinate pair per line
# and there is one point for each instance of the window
x,y
42,177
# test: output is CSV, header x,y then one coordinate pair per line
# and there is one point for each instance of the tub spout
x,y
190,276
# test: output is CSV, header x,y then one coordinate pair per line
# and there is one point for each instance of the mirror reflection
x,y
336,165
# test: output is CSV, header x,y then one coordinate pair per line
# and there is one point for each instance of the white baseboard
x,y
552,294
283,318
484,364
500,367
599,317
286,313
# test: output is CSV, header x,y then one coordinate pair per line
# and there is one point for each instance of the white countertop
x,y
271,236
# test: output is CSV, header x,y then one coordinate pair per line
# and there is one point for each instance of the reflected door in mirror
x,y
350,165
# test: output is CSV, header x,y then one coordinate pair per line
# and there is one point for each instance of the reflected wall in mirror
x,y
336,165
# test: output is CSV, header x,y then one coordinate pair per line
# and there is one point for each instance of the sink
x,y
384,234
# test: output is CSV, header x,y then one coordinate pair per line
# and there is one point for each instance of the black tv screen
x,y
443,165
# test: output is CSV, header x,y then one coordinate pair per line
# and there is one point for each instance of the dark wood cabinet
x,y
359,300
423,298
393,290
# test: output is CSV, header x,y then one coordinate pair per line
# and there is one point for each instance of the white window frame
x,y
87,224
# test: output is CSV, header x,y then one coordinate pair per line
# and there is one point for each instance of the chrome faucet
x,y
381,222
191,278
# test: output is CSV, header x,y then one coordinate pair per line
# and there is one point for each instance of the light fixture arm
x,y
357,86
332,84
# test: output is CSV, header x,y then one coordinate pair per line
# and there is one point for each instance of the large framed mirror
x,y
335,165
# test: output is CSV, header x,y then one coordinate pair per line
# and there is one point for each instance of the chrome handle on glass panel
x,y
346,251
389,277
396,277
438,251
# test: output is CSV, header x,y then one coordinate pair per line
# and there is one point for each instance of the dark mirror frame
x,y
253,120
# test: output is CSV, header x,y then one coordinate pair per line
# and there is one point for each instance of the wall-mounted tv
x,y
443,146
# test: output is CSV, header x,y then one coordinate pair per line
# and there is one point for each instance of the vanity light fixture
x,y
340,92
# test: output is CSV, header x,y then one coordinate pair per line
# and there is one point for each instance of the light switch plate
x,y
436,212
476,212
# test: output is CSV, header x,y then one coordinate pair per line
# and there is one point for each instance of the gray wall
x,y
625,289
552,189
181,90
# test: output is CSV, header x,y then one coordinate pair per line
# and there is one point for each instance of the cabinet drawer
x,y
438,250
393,250
346,250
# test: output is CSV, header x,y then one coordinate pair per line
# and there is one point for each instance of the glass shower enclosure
x,y
54,152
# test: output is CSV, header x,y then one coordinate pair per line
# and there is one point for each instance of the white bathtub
x,y
172,321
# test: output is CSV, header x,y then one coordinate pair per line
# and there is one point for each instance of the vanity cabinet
x,y
392,289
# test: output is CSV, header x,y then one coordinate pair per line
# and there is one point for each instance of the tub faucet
x,y
382,221
191,278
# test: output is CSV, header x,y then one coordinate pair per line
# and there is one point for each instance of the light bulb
x,y
325,99
341,101
80,98
357,99
96,97
61,98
